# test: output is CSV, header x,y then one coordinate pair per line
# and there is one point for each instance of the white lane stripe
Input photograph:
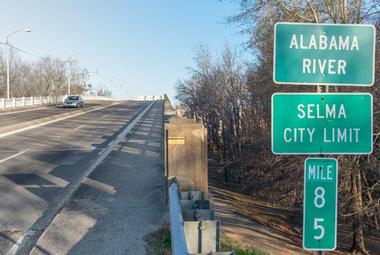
x,y
53,121
10,118
13,156
28,110
105,116
75,129
58,150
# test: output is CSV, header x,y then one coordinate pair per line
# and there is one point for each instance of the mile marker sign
x,y
320,204
324,54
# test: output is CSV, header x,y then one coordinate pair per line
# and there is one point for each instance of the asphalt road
x,y
8,118
38,166
120,203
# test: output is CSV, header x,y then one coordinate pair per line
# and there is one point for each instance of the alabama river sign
x,y
324,54
320,204
321,123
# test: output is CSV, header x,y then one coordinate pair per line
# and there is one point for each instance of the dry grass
x,y
159,242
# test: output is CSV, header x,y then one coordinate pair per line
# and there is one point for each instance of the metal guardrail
x,y
149,98
176,222
35,101
192,225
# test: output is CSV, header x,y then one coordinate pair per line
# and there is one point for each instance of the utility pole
x,y
8,55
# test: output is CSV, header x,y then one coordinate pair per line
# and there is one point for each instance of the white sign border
x,y
336,204
325,84
323,153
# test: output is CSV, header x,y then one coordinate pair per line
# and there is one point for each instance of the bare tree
x,y
45,77
257,19
215,94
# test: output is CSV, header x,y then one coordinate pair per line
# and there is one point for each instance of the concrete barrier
x,y
186,154
186,164
21,102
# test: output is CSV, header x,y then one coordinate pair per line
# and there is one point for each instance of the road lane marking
x,y
29,110
100,185
75,129
105,116
10,118
56,150
17,245
56,120
42,107
11,157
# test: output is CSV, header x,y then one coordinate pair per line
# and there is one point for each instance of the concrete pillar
x,y
186,154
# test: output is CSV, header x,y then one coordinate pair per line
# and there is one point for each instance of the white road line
x,y
53,121
56,150
11,118
105,116
28,110
13,156
75,129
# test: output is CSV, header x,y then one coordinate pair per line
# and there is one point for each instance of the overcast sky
x,y
145,44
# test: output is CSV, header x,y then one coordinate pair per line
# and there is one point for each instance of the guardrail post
x,y
14,102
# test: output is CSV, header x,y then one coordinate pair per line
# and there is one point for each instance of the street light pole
x,y
69,72
8,55
69,81
111,80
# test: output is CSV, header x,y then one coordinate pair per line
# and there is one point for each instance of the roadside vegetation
x,y
233,99
239,248
43,76
159,242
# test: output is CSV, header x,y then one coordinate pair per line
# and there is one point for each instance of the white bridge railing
x,y
35,101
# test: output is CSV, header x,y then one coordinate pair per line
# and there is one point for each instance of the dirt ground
x,y
273,229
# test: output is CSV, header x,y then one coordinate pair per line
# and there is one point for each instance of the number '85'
x,y
319,202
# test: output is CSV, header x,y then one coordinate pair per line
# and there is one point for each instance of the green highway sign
x,y
322,123
320,204
324,54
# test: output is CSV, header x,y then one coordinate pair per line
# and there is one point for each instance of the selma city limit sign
x,y
324,54
321,123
